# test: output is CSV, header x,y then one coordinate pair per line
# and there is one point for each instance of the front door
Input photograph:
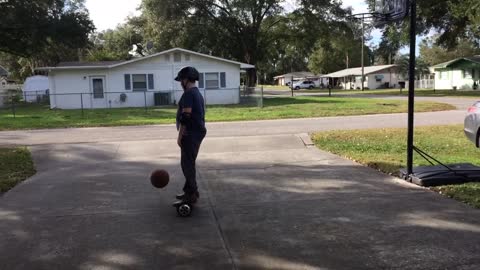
x,y
97,88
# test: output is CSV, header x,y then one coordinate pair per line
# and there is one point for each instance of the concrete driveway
x,y
267,202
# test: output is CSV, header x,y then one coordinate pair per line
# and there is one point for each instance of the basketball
x,y
159,178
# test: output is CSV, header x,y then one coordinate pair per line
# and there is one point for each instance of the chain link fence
x,y
15,101
252,96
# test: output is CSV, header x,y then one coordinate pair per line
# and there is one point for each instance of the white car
x,y
472,124
303,85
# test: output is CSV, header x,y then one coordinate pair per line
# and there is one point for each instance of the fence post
x,y
13,107
261,97
205,98
145,99
291,85
239,94
81,102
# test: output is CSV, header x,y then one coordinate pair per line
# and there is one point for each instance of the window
x,y
128,83
200,81
151,85
167,57
223,81
177,57
187,57
443,75
467,73
139,82
211,80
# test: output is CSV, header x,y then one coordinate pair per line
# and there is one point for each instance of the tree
x,y
114,44
337,52
434,54
237,29
421,67
41,32
30,27
391,43
454,20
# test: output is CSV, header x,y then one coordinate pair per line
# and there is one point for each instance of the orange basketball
x,y
159,178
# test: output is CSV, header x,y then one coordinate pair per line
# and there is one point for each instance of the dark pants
x,y
190,147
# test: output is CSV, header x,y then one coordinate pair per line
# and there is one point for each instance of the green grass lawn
x,y
16,165
274,87
418,92
35,116
385,150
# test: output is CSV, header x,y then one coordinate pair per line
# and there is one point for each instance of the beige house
x,y
376,77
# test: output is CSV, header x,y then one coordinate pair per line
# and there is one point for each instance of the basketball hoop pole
x,y
411,86
363,42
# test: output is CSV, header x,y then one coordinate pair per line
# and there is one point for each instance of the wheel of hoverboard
x,y
184,210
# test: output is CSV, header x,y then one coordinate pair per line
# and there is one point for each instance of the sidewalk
x,y
267,202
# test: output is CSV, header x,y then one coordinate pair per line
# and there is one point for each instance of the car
x,y
303,85
471,125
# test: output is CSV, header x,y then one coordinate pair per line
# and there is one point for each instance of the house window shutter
x,y
151,84
128,84
200,81
223,82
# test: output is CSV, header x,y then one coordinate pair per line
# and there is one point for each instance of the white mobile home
x,y
461,73
145,81
35,88
376,77
286,79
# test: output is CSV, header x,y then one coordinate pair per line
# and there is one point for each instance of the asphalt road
x,y
269,200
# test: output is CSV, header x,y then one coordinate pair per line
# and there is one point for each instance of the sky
x,y
107,14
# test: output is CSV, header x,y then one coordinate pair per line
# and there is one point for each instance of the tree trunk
x,y
251,77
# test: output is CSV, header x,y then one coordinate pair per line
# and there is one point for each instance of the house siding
x,y
70,87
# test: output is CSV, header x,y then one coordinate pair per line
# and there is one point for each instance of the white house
x,y
285,79
376,77
461,73
35,88
145,81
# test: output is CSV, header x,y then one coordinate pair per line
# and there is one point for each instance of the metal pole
x,y
363,37
291,85
329,87
261,97
145,99
81,102
13,107
411,86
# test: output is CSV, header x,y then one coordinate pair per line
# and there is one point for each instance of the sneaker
x,y
181,196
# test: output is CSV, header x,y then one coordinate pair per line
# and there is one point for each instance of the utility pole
x,y
363,41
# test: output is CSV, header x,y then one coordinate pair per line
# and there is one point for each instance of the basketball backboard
x,y
391,10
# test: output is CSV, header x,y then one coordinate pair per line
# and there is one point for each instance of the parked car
x,y
303,85
472,124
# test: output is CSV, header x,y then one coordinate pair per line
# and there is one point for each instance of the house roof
x,y
88,64
475,59
113,64
300,74
3,72
357,71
